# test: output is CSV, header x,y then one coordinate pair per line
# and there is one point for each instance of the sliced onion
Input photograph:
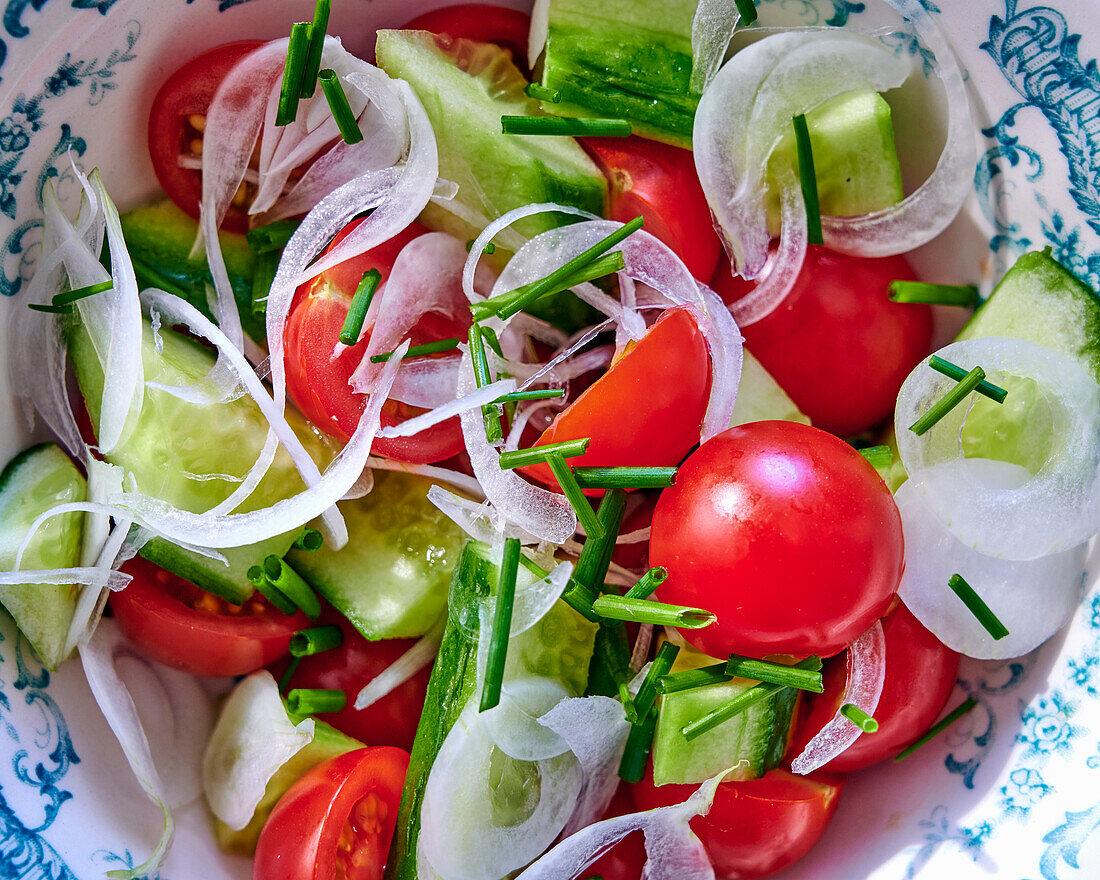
x,y
478,520
438,474
866,673
426,382
1054,509
419,656
515,725
711,31
472,401
91,576
1033,599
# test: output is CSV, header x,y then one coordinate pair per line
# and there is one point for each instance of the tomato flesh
x,y
786,533
508,28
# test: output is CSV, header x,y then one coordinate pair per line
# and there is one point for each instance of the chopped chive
x,y
574,494
291,584
537,394
977,607
775,673
341,109
317,34
315,640
482,377
639,743
647,693
50,309
263,276
505,306
647,583
807,177
647,611
609,669
690,679
502,625
541,93
878,456
939,727
265,588
418,350
567,126
71,296
311,701
859,718
965,295
747,8
595,555
309,540
625,477
490,248
291,668
360,304
271,236
953,371
948,402
578,597
291,91
490,336
740,703
515,458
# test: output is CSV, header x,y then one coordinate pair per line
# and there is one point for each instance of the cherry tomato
x,y
920,676
389,722
836,344
318,382
659,182
483,22
647,409
177,623
181,102
336,821
786,533
758,827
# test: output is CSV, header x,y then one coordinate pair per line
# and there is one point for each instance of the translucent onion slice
x,y
474,400
711,31
866,673
1056,405
91,576
1033,599
478,520
252,739
426,382
439,474
748,108
515,724
420,656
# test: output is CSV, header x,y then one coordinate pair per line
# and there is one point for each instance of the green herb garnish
x,y
502,625
315,640
309,540
949,401
291,91
807,178
565,126
418,350
536,394
541,93
938,728
292,585
747,9
859,718
482,377
317,32
657,613
690,679
878,456
775,673
593,528
271,236
641,705
341,109
360,305
311,701
977,607
265,588
965,295
647,583
953,371
625,477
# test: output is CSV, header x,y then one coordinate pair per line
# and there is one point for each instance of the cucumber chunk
x,y
391,580
34,481
175,445
760,398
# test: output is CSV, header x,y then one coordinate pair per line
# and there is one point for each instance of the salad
x,y
540,430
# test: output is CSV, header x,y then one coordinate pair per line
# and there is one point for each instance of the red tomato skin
x,y
647,409
624,861
786,533
202,642
303,833
659,182
508,28
393,719
189,90
758,827
837,345
920,676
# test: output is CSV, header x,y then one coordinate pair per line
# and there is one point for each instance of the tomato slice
x,y
508,28
758,827
181,102
920,676
659,182
647,410
336,821
177,623
318,368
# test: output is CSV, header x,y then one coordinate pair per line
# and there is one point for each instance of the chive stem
x,y
271,236
317,33
977,607
310,540
775,673
541,93
690,679
482,377
647,611
939,727
490,248
489,335
643,703
291,91
311,701
292,585
341,109
807,177
71,296
878,456
859,718
49,309
565,126
747,8
502,625
647,583
360,305
639,743
625,477
593,528
536,394
953,371
595,556
418,350
315,640
578,597
291,668
949,401
265,588
597,268
515,458
965,295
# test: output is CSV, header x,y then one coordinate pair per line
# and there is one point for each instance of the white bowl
x,y
1012,790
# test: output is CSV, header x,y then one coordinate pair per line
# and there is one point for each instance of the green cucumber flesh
x,y
34,481
760,398
391,580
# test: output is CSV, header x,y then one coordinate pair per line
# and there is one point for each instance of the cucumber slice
x,y
624,59
175,442
391,580
34,481
159,238
760,398
855,160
